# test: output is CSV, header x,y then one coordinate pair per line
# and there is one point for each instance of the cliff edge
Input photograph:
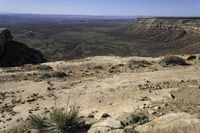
x,y
13,53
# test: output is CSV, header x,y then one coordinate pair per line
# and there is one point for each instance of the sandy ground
x,y
99,85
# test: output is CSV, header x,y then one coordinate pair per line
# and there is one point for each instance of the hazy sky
x,y
104,7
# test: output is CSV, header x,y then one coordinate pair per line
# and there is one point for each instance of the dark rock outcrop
x,y
13,53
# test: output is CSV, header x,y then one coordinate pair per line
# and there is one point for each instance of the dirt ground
x,y
99,85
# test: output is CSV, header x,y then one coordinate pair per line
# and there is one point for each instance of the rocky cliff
x,y
13,53
172,35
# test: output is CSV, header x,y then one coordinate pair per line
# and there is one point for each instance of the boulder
x,y
172,123
108,125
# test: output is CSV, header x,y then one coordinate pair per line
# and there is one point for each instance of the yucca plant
x,y
37,122
59,121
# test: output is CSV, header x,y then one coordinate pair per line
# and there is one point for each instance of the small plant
x,y
44,67
58,74
138,63
54,74
59,121
138,119
45,75
172,60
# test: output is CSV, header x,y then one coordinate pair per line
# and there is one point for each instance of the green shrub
x,y
58,74
45,75
54,74
138,63
172,60
58,121
44,67
138,119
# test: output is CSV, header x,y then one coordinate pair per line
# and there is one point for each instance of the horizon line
x,y
91,15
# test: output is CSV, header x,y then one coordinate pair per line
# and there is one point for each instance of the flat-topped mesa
x,y
166,28
189,25
169,35
13,53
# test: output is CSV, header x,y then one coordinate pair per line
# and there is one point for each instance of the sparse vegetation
x,y
58,74
172,60
138,63
45,75
59,121
52,74
44,67
138,119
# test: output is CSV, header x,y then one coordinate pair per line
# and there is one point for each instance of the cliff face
x,y
13,53
173,36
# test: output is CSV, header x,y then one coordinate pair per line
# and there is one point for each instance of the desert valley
x,y
123,75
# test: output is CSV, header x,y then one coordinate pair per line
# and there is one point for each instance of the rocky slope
x,y
13,53
169,35
107,90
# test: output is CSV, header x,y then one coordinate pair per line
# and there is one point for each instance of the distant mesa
x,y
13,53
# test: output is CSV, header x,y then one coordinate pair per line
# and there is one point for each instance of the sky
x,y
104,7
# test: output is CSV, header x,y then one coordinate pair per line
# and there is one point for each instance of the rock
x,y
34,131
191,57
105,115
172,123
157,107
99,130
106,130
107,125
109,122
13,53
151,112
172,96
91,115
31,100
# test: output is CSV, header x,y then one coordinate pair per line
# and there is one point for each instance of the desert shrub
x,y
172,60
44,67
58,121
54,74
138,119
138,63
58,74
45,75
